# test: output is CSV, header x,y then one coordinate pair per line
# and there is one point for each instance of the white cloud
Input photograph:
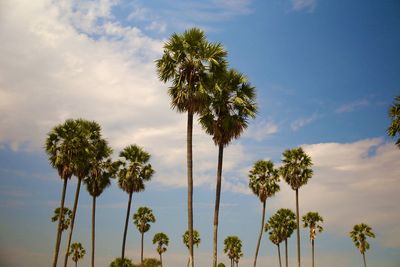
x,y
349,107
259,130
353,183
300,123
306,5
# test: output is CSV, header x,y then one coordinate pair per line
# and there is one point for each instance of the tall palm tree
x,y
276,238
99,178
134,172
66,217
142,219
186,61
88,140
233,249
196,240
232,102
62,147
263,181
117,262
296,171
284,221
359,236
311,220
162,241
394,114
77,251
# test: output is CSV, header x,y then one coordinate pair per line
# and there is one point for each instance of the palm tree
x,y
101,171
162,241
61,147
263,181
359,235
225,118
77,251
233,249
394,114
296,171
276,238
221,265
66,218
119,263
142,219
88,139
186,61
196,240
131,177
311,220
284,221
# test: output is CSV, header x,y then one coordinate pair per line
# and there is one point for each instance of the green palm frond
x,y
311,220
359,236
263,179
296,169
162,241
394,114
196,238
142,219
233,247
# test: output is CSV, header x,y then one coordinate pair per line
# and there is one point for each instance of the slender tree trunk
x,y
312,247
298,227
59,230
141,250
71,230
126,227
217,201
286,252
190,186
232,263
279,255
93,228
365,263
261,232
161,259
76,264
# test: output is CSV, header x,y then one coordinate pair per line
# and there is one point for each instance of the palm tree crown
x,y
66,217
186,61
77,251
263,179
311,220
142,219
233,247
359,236
296,169
232,102
394,114
283,223
162,241
196,238
135,169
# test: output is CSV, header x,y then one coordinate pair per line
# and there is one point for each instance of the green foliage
x,y
186,61
77,251
65,219
296,169
394,114
233,248
135,169
359,236
311,220
118,263
221,264
281,225
149,262
231,102
162,241
263,179
142,219
196,238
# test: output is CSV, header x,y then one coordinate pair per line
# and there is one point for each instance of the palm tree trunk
x,y
126,227
232,263
71,230
141,250
93,228
365,263
312,246
190,185
286,252
298,227
259,237
76,264
279,255
161,259
217,201
59,230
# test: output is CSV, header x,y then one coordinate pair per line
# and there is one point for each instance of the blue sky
x,y
325,72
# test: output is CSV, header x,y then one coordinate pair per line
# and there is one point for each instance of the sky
x,y
325,72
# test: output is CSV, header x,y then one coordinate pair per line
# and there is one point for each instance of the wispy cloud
x,y
301,122
352,106
259,130
304,5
